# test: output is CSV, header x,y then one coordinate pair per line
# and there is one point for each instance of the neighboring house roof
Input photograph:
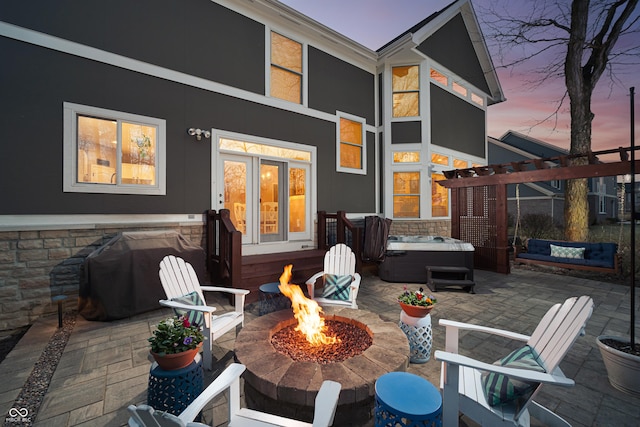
x,y
501,152
451,37
515,147
535,147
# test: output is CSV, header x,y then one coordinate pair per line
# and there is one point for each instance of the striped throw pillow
x,y
195,317
500,389
337,287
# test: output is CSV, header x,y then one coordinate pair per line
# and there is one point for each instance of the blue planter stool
x,y
420,335
404,399
173,391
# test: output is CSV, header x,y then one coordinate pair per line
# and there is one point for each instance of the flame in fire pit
x,y
306,311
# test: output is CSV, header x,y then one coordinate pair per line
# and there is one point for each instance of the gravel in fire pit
x,y
353,341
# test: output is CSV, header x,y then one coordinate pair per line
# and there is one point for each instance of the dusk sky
x,y
373,23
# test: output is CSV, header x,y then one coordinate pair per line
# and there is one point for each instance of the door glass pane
x,y
297,200
269,223
235,193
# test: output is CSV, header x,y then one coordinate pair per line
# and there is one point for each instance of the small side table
x,y
173,391
271,299
420,336
404,399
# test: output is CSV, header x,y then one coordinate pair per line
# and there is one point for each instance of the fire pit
x,y
277,384
352,347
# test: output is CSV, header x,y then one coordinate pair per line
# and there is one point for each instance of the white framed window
x,y
405,82
351,149
113,152
286,69
406,194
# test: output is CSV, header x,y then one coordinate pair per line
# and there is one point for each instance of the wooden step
x,y
434,284
447,269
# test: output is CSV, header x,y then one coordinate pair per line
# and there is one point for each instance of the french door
x,y
266,198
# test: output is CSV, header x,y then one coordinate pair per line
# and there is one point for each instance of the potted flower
x,y
175,343
416,303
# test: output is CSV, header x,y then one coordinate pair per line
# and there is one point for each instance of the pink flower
x,y
185,322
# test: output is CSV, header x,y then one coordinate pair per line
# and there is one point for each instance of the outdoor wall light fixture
x,y
199,133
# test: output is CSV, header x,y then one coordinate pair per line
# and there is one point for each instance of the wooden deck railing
x,y
224,249
224,243
337,228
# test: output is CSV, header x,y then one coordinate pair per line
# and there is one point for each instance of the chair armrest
x,y
221,383
223,289
174,304
326,403
556,378
311,284
312,280
478,328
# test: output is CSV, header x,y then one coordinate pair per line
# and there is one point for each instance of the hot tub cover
x,y
120,279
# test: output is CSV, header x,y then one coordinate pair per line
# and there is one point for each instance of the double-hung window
x,y
286,68
108,151
351,147
406,91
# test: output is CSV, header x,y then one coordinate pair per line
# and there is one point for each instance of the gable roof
x,y
452,37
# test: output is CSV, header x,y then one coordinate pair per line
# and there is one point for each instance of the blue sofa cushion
x,y
595,254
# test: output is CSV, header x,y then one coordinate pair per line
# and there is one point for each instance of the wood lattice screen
x,y
473,220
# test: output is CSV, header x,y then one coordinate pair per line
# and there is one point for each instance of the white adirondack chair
x,y
325,406
178,279
339,260
461,376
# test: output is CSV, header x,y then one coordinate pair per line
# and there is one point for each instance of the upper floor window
x,y
406,157
439,77
460,164
460,89
108,151
286,68
439,159
351,148
406,91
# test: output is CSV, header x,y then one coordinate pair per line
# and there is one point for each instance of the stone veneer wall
x,y
441,227
36,266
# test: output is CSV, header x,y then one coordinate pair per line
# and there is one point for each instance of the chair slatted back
x,y
340,260
178,277
559,329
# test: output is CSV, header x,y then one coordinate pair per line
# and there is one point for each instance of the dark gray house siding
x,y
456,124
336,85
406,132
452,47
204,39
40,80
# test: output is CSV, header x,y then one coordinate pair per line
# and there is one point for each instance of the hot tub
x,y
407,256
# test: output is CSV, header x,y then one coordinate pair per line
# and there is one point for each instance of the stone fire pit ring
x,y
275,383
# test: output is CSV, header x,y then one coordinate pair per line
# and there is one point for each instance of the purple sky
x,y
373,23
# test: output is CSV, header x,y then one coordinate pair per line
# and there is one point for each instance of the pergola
x,y
479,197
